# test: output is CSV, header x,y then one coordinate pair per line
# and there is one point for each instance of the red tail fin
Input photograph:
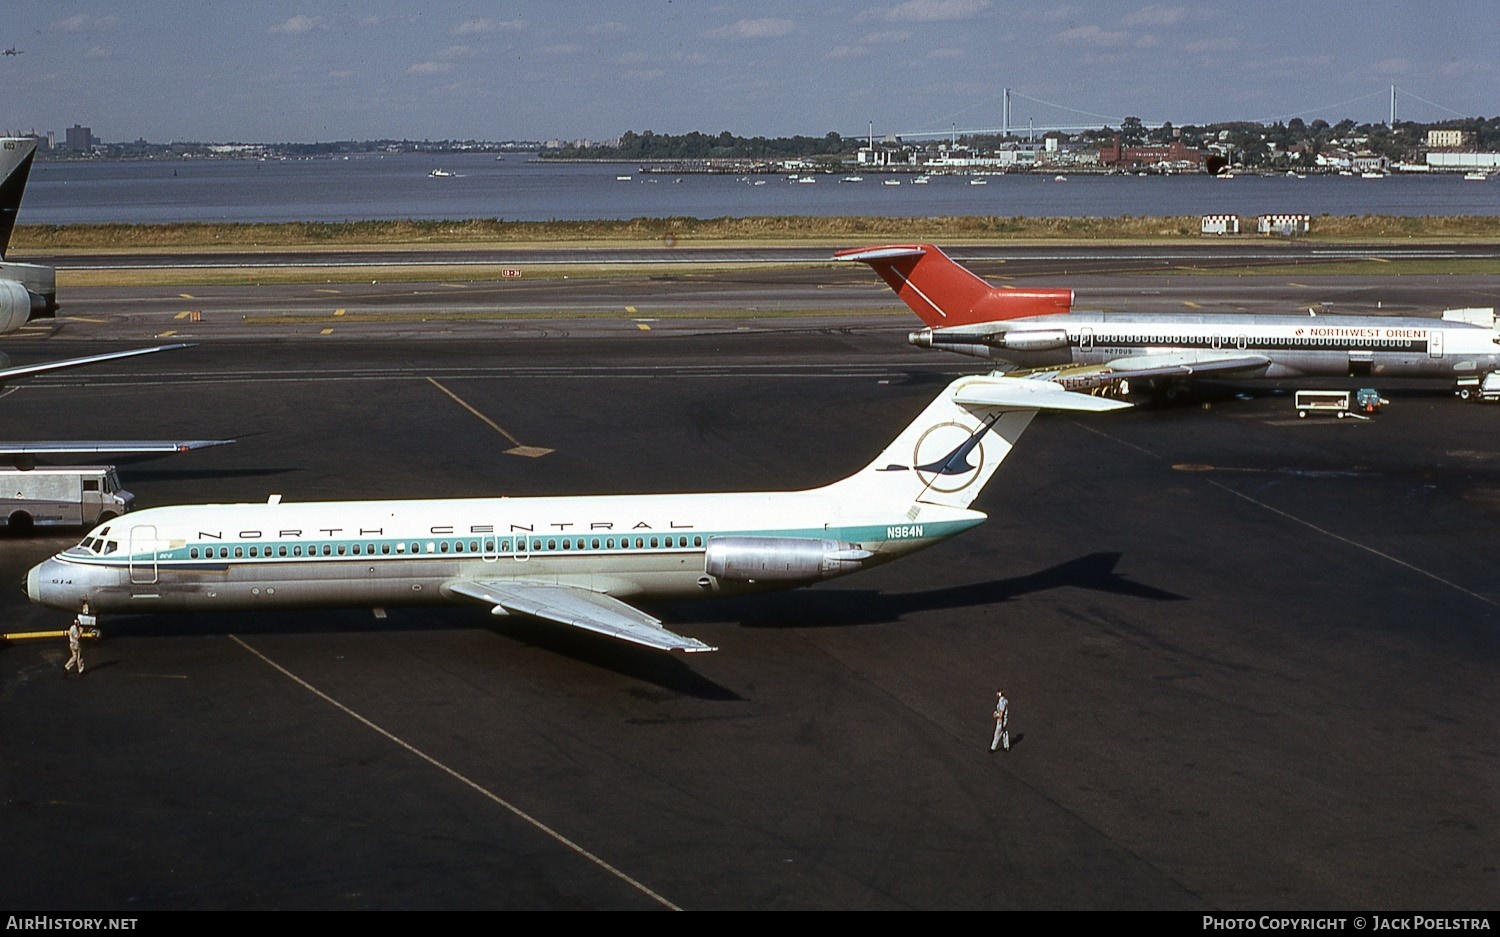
x,y
942,293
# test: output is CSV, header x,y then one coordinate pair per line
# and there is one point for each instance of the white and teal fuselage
x,y
387,553
575,560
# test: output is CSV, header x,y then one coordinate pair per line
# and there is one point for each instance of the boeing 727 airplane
x,y
572,560
1038,330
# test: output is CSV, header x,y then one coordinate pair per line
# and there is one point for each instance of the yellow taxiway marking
x,y
186,296
630,309
86,319
643,326
335,292
167,334
1379,260
183,314
1190,304
1300,286
326,332
518,448
472,785
338,312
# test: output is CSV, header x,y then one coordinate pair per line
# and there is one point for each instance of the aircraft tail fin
x,y
16,154
942,293
948,453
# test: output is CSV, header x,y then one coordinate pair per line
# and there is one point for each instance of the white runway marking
x,y
476,787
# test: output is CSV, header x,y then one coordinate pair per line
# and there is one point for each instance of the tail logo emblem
x,y
949,456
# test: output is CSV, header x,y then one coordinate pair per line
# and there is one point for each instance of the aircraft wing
x,y
11,373
25,454
580,608
1186,364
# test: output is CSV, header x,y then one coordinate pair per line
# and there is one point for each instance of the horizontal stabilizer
x,y
1018,393
579,608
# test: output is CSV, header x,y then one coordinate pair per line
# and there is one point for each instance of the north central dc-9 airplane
x,y
1040,331
571,560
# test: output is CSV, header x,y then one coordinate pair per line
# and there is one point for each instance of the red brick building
x,y
1135,156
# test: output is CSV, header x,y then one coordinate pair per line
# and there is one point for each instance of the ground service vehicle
x,y
1322,401
66,496
1479,388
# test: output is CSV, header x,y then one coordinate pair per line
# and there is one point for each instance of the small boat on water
x,y
441,174
1476,176
921,180
890,182
979,182
853,179
622,178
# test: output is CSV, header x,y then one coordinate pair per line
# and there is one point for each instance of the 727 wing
x,y
11,373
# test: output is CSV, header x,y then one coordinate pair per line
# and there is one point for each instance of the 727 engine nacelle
x,y
969,341
780,559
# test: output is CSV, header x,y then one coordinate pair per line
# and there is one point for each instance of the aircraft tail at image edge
x,y
15,169
943,293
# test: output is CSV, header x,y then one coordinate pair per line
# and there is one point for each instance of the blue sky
x,y
314,70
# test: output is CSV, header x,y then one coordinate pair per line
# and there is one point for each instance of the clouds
x,y
327,69
481,26
297,25
83,22
933,11
742,30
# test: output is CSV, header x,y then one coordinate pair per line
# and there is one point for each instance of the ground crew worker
x,y
75,639
1002,722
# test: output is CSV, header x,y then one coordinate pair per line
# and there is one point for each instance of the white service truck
x,y
68,496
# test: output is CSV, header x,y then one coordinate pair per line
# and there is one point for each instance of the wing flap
x,y
578,608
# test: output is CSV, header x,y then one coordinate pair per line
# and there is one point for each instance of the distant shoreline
x,y
684,232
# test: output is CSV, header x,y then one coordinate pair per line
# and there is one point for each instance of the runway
x,y
1251,659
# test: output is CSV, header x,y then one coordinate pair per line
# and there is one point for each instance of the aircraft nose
x,y
37,589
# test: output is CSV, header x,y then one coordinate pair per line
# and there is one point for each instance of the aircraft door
x,y
1085,340
1435,343
490,548
142,569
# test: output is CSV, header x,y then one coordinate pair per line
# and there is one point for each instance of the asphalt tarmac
x,y
1251,658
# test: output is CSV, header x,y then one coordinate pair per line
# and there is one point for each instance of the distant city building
x,y
79,138
1445,139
